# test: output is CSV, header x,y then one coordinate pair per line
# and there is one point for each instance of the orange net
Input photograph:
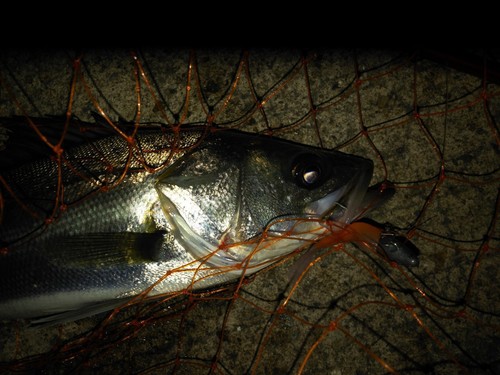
x,y
428,121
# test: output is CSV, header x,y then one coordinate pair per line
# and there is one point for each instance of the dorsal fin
x,y
19,143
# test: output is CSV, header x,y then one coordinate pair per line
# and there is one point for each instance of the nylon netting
x,y
428,120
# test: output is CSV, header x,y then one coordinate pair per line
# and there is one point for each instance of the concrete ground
x,y
352,313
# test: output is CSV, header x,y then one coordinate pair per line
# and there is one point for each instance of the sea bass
x,y
165,210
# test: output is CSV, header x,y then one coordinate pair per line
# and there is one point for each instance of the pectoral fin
x,y
105,249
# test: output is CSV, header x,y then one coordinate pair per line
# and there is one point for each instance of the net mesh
x,y
428,120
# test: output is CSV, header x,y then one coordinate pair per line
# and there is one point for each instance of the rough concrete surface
x,y
347,314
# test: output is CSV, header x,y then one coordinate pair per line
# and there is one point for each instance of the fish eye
x,y
307,171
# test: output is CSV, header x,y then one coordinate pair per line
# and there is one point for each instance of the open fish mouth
x,y
349,204
324,206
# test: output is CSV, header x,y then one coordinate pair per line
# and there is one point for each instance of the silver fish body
x,y
195,221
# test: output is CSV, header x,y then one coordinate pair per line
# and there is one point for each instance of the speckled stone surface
x,y
419,116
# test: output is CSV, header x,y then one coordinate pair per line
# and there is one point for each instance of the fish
x,y
109,216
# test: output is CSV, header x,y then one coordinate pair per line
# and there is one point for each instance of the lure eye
x,y
307,171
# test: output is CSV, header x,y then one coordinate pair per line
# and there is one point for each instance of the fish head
x,y
224,195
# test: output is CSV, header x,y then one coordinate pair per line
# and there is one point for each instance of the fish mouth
x,y
353,201
325,206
